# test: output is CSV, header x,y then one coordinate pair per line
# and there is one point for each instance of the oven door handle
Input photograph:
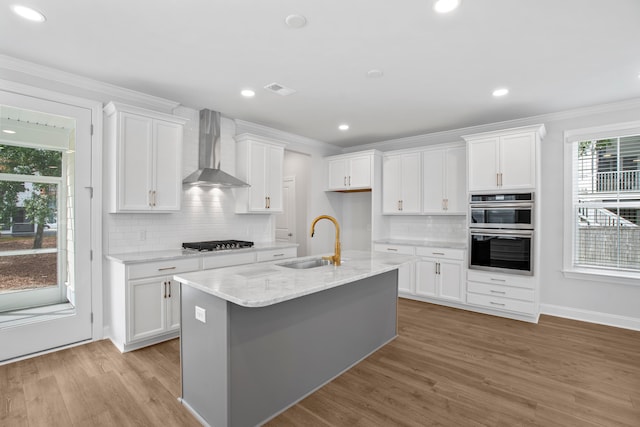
x,y
501,232
501,206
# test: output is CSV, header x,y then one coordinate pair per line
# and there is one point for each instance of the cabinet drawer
x,y
498,303
227,260
276,254
440,253
501,279
394,249
164,268
501,291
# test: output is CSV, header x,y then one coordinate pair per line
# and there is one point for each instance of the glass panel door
x,y
45,224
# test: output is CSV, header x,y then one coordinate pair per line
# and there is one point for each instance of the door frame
x,y
95,107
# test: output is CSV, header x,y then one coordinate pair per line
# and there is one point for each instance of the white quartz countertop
x,y
129,258
425,243
268,283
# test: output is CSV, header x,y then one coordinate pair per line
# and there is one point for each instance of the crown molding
x,y
454,135
243,126
106,90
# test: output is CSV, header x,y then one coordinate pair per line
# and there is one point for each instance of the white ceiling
x,y
439,70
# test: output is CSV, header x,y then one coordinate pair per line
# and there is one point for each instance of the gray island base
x,y
245,365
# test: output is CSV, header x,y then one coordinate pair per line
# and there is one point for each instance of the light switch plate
x,y
201,314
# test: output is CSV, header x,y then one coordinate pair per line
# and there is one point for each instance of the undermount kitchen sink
x,y
306,263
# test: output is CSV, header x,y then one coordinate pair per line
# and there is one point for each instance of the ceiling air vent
x,y
279,89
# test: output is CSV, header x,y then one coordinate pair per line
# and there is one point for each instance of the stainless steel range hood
x,y
209,173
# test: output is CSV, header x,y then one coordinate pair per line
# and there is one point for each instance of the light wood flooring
x,y
447,367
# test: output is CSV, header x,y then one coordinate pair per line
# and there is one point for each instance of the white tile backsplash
x,y
432,227
207,214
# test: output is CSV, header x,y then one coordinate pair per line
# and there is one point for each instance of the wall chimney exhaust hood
x,y
209,173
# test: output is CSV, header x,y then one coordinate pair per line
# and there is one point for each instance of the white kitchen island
x,y
256,339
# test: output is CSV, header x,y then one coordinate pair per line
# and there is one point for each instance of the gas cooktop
x,y
217,245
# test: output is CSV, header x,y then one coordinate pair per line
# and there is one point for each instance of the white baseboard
x,y
591,316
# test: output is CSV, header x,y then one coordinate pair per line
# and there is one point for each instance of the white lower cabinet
x,y
502,292
145,300
154,306
440,273
406,282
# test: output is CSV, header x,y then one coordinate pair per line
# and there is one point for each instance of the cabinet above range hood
x,y
209,173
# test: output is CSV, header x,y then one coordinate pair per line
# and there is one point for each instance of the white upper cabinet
x,y
259,162
444,181
350,172
401,180
144,157
504,160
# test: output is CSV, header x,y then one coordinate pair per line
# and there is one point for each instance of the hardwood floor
x,y
447,367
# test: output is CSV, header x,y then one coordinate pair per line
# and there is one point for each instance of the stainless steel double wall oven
x,y
501,229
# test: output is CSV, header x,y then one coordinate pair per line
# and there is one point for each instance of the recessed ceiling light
x,y
375,73
500,92
247,93
9,131
295,21
28,13
343,127
446,6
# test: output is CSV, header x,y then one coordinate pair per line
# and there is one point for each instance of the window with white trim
x,y
605,199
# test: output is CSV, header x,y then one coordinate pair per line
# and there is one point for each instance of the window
x,y
603,220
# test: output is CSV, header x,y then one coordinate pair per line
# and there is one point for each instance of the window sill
x,y
600,275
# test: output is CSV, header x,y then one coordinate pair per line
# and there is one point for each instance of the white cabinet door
x,y
173,305
359,172
259,161
167,164
410,183
146,311
391,184
517,161
433,173
455,191
484,164
134,162
401,184
405,279
258,177
274,165
450,286
426,277
338,174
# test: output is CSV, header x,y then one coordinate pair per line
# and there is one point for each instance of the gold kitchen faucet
x,y
335,259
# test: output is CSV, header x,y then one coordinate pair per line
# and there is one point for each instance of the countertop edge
x,y
171,254
256,303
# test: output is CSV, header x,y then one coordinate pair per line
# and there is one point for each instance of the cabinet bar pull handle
x,y
166,268
446,204
392,249
498,280
165,289
497,292
277,255
150,198
269,200
497,179
155,198
437,253
497,303
349,180
345,181
169,286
